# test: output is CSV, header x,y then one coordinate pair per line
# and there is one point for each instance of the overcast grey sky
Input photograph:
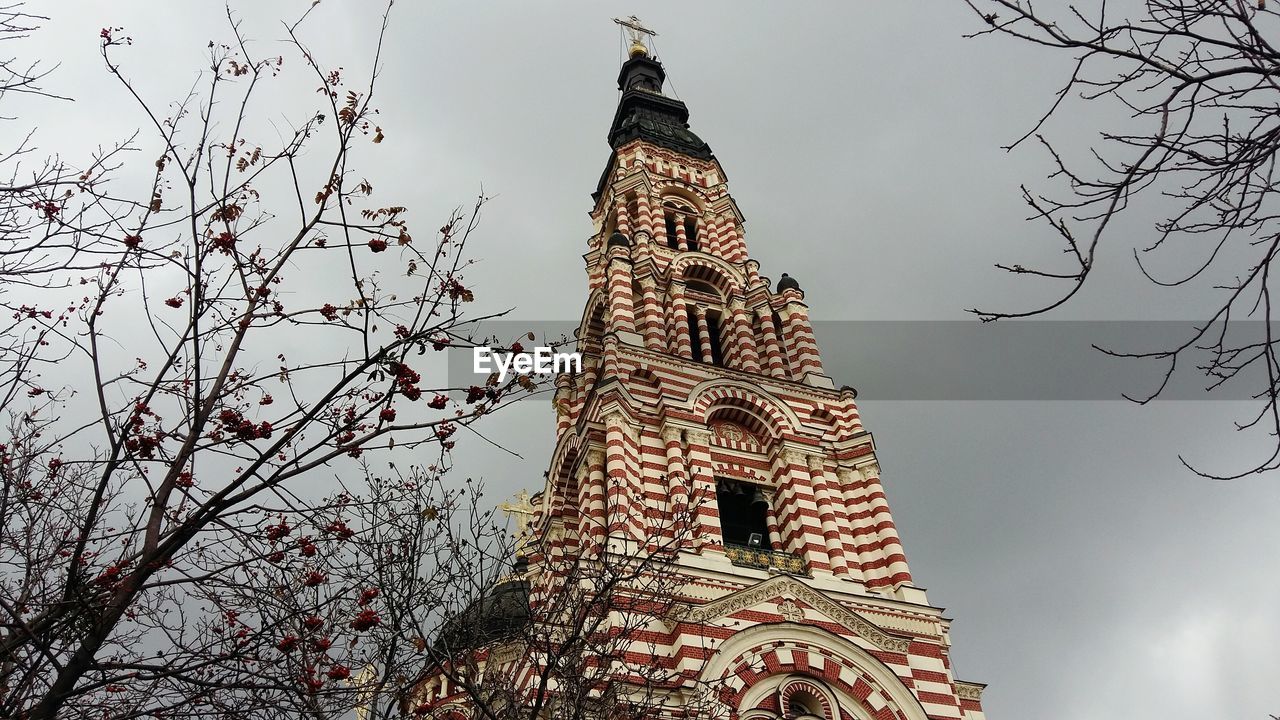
x,y
1089,575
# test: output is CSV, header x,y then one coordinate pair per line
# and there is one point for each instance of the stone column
x,y
800,341
714,244
680,313
746,358
890,545
771,521
621,310
623,216
653,334
735,250
772,345
798,509
645,211
591,498
704,334
827,516
682,240
562,401
610,354
866,541
702,480
677,482
617,509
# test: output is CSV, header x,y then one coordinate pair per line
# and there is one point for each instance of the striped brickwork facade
x,y
697,372
848,630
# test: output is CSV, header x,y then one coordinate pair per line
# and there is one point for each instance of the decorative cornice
x,y
785,587
699,436
969,691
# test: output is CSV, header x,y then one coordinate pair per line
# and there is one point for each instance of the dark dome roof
x,y
787,283
617,239
499,614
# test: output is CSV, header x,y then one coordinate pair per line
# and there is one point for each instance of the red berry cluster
x,y
241,428
407,379
48,208
339,528
224,242
365,620
140,442
306,547
276,532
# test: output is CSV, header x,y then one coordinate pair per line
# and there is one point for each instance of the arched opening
x,y
680,214
804,705
709,275
590,336
715,337
744,514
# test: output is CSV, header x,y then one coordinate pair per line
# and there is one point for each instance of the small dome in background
x,y
787,283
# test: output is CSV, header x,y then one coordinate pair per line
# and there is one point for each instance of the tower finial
x,y
637,31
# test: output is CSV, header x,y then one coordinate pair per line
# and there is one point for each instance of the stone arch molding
x,y
597,300
796,684
668,190
859,683
732,276
712,393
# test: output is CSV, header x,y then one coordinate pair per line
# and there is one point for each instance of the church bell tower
x,y
703,413
703,380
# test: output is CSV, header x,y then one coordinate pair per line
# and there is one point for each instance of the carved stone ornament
x,y
790,611
850,475
699,437
794,457
733,432
784,586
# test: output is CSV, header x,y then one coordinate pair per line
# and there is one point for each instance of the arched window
x,y
744,515
805,705
802,698
680,214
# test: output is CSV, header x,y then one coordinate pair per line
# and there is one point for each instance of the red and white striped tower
x,y
795,596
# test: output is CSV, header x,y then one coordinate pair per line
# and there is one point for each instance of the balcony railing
x,y
775,560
